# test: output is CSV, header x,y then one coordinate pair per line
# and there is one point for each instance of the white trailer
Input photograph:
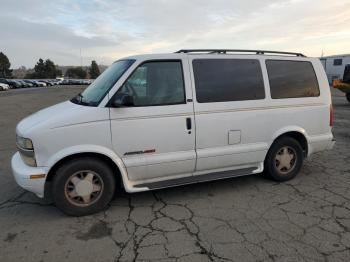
x,y
335,65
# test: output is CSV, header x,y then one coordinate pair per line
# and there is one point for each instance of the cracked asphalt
x,y
241,219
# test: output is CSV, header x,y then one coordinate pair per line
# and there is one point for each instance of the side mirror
x,y
122,100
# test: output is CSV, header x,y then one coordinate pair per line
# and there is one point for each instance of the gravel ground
x,y
241,219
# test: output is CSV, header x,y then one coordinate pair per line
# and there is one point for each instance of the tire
x,y
83,186
348,97
283,151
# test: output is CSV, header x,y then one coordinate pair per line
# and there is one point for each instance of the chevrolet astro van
x,y
162,120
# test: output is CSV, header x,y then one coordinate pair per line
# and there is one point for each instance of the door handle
x,y
189,123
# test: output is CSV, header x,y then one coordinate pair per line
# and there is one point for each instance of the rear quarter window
x,y
292,79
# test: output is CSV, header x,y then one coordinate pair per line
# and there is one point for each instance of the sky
x,y
106,30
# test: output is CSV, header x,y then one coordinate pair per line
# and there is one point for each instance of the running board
x,y
197,178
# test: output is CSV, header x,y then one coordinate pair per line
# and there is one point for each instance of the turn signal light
x,y
38,176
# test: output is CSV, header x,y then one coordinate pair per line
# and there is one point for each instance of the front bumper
x,y
23,173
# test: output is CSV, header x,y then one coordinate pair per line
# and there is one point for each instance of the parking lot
x,y
241,219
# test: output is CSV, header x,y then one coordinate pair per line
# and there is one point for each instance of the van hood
x,y
45,115
61,115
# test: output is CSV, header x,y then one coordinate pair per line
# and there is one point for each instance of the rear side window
x,y
292,79
223,80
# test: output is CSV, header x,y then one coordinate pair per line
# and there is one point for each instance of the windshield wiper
x,y
80,97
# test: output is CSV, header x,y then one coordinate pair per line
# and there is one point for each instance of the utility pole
x,y
81,59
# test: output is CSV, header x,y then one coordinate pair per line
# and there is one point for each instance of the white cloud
x,y
108,29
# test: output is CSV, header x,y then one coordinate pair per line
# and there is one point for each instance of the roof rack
x,y
225,51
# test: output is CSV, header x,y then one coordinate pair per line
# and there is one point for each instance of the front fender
x,y
92,149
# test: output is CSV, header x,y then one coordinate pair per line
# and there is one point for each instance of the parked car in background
x,y
7,82
54,82
25,84
14,83
64,82
31,82
40,84
21,83
87,82
4,87
76,82
46,82
50,82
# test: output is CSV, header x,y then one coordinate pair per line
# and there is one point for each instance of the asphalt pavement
x,y
240,219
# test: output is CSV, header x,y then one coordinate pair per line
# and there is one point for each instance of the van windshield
x,y
95,92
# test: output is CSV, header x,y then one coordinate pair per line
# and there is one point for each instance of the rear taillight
x,y
331,115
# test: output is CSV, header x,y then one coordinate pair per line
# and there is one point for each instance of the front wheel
x,y
83,186
284,159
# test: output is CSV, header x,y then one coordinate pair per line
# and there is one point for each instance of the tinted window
x,y
338,62
155,83
291,79
222,80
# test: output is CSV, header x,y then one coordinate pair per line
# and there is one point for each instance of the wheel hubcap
x,y
285,159
84,188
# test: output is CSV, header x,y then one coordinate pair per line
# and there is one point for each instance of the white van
x,y
162,120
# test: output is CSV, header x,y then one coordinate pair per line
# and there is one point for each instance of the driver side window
x,y
155,83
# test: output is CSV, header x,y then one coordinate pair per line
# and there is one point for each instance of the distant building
x,y
334,66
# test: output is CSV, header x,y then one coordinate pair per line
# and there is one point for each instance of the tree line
x,y
48,69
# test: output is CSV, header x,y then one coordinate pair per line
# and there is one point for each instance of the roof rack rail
x,y
225,51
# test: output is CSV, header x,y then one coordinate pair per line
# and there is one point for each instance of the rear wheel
x,y
284,159
83,186
348,96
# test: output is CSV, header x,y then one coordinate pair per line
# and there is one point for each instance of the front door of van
x,y
153,131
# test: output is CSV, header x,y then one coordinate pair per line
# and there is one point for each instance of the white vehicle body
x,y
4,86
152,144
41,84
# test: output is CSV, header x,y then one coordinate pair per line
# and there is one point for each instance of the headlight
x,y
28,159
24,143
26,150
